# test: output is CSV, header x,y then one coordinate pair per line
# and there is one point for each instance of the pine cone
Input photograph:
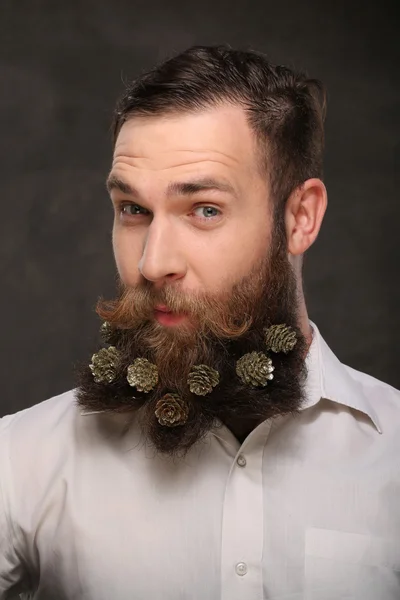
x,y
142,375
280,338
104,365
202,379
255,368
171,410
106,332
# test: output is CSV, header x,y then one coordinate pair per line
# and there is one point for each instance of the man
x,y
214,447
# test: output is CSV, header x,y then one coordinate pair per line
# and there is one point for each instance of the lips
x,y
162,308
166,317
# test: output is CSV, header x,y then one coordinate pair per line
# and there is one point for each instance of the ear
x,y
304,212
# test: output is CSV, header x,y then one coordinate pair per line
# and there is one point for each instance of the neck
x,y
304,322
241,428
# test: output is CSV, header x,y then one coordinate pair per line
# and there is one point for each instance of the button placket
x,y
242,526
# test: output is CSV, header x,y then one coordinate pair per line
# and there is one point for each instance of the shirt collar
x,y
329,379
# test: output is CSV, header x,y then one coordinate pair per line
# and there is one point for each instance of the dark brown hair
x,y
285,109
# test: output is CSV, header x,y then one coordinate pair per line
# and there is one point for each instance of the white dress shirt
x,y
307,508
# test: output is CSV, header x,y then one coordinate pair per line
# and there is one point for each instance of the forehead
x,y
217,139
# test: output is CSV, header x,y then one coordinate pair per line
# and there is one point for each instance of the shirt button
x,y
241,568
241,461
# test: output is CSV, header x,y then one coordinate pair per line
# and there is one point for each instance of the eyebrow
x,y
176,188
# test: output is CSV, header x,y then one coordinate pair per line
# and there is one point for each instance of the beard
x,y
220,328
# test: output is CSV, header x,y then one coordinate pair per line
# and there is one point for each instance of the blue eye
x,y
133,210
207,211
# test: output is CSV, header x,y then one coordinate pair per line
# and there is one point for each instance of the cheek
x,y
233,254
127,256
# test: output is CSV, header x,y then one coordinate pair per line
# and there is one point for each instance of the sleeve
x,y
13,576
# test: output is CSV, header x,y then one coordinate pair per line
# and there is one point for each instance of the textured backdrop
x,y
62,65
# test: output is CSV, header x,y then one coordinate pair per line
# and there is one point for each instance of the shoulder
x,y
383,398
41,450
33,440
42,441
374,387
33,444
49,417
356,390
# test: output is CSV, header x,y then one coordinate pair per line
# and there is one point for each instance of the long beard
x,y
221,329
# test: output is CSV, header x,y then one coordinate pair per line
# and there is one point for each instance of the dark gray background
x,y
62,65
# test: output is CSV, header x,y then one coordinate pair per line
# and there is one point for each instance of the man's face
x,y
200,237
194,233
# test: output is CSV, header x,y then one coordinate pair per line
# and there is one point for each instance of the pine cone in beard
x,y
110,334
255,368
104,365
142,375
202,379
106,332
280,338
171,410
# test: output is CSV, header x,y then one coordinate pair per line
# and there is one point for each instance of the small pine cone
x,y
171,410
202,379
255,368
104,365
142,375
106,332
280,338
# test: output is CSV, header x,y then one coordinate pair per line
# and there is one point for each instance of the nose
x,y
162,258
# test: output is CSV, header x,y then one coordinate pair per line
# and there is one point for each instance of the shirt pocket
x,y
350,566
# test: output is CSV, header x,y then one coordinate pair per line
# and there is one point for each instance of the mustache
x,y
227,314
